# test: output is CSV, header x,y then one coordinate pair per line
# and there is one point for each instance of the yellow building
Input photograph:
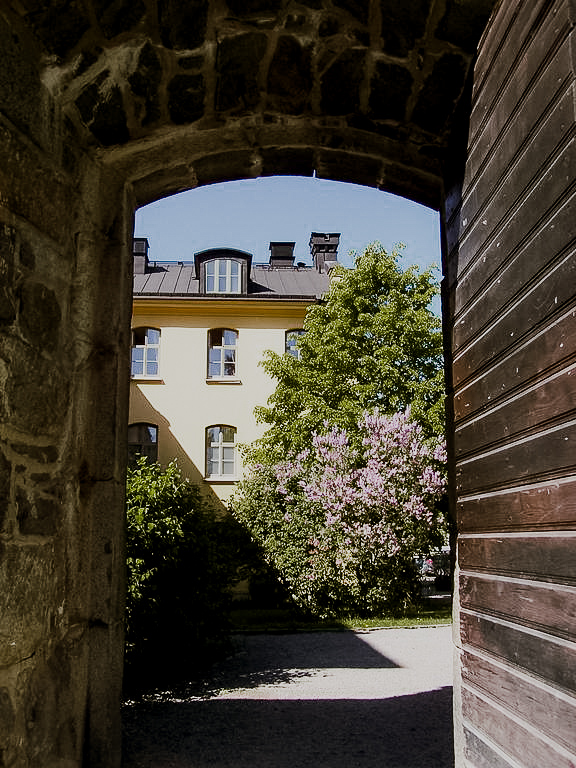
x,y
200,330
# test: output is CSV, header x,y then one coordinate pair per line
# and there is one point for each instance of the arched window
x,y
145,353
221,452
292,337
222,276
222,343
142,441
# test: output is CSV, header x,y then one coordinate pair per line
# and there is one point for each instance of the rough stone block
x,y
403,24
40,315
61,24
390,90
290,76
357,8
341,83
144,82
36,390
440,92
5,475
110,125
182,23
287,162
31,572
186,98
463,23
37,515
117,16
237,63
248,8
7,256
357,169
226,166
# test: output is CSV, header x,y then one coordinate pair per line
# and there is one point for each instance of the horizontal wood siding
x,y
510,271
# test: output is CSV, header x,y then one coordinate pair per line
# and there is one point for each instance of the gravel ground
x,y
374,699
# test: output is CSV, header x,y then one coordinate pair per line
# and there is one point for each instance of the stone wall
x,y
64,314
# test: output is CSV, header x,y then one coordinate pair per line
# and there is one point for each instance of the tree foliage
x,y
341,524
180,566
373,343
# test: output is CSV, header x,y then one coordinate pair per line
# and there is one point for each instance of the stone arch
x,y
107,105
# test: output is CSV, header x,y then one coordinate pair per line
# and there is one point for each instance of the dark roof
x,y
178,280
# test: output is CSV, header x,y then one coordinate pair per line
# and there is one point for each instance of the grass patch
x,y
247,619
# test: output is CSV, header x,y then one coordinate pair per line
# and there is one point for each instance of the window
x,y
142,441
221,452
291,340
145,352
222,353
222,276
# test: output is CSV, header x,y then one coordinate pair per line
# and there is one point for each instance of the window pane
x,y
216,337
137,355
152,355
228,434
151,368
210,268
137,368
228,468
229,355
215,355
229,369
228,453
230,338
153,336
209,283
234,285
152,434
222,284
213,433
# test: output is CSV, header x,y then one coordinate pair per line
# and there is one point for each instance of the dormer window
x,y
222,271
222,276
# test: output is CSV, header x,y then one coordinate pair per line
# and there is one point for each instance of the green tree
x,y
180,566
372,343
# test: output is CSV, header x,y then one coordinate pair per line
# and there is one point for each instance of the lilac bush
x,y
342,521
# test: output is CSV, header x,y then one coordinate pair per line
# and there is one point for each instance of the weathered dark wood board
x,y
549,506
521,743
538,605
545,557
510,284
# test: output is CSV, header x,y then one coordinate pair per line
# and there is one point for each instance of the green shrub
x,y
180,566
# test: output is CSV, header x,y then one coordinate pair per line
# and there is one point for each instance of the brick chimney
x,y
324,249
282,254
140,252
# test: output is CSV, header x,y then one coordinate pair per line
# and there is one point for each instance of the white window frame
x,y
143,427
294,351
225,349
150,350
218,451
223,276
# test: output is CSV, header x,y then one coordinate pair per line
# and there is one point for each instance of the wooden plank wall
x,y
511,271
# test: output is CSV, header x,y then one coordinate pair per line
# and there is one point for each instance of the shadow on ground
x,y
403,732
237,719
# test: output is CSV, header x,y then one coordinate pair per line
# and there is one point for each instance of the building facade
x,y
199,332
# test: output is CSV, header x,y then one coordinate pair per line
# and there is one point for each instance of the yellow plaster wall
x,y
182,402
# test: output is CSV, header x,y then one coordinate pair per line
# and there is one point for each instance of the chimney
x,y
140,252
282,254
324,249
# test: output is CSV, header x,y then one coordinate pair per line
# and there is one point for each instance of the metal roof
x,y
178,279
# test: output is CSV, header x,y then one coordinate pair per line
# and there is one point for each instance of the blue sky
x,y
250,214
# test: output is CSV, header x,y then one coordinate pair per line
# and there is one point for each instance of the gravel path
x,y
376,699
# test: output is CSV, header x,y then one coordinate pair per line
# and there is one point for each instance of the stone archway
x,y
109,105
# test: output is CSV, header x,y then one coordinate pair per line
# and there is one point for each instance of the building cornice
x,y
204,305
